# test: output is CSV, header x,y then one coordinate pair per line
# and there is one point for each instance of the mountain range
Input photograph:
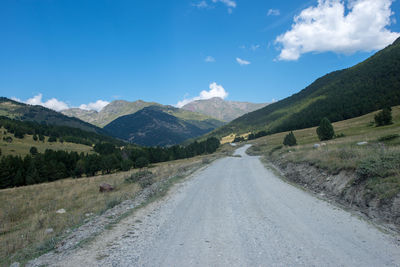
x,y
216,108
222,110
139,122
153,124
363,88
161,126
109,113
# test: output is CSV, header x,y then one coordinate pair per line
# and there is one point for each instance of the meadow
x,y
373,153
21,147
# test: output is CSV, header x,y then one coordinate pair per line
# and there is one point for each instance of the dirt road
x,y
237,213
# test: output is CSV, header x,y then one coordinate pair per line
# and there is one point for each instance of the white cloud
x,y
242,62
215,91
254,47
201,4
58,105
209,59
228,3
98,105
273,12
52,103
341,26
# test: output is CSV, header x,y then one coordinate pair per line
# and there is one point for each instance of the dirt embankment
x,y
343,189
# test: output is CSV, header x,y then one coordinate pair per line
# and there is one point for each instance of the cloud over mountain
x,y
59,105
52,103
98,105
215,91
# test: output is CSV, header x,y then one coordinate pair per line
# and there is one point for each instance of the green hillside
x,y
19,111
161,126
340,95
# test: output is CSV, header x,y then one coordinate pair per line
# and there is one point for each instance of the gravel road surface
x,y
238,213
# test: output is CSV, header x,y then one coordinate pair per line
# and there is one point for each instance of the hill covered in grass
x,y
23,112
17,137
161,126
340,95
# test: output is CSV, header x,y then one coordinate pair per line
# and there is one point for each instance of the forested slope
x,y
340,95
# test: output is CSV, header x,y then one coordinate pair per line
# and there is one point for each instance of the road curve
x,y
237,213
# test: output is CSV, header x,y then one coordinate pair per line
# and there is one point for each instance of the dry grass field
x,y
27,212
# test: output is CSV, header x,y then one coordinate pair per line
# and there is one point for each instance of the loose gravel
x,y
238,213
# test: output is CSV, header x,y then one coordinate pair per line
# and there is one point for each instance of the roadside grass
x,y
27,212
21,147
382,152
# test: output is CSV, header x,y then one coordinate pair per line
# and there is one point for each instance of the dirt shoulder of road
x,y
85,234
340,189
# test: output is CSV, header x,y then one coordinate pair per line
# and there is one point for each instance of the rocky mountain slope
x,y
109,113
223,110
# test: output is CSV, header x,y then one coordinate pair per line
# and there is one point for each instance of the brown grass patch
x,y
26,212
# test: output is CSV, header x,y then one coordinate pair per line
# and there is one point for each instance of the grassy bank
x,y
28,213
376,163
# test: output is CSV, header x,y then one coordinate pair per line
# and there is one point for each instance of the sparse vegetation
x,y
136,177
26,212
375,164
389,137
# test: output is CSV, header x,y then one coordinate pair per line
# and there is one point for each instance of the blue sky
x,y
65,53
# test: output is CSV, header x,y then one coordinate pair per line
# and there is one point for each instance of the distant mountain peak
x,y
112,111
221,109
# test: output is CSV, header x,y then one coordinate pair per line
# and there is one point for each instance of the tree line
x,y
54,165
61,133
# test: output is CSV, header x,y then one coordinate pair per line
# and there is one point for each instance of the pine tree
x,y
325,130
290,140
33,151
384,117
32,175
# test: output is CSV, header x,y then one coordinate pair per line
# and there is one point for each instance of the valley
x,y
121,143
